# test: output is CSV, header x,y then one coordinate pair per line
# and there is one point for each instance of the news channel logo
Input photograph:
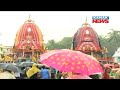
x,y
100,19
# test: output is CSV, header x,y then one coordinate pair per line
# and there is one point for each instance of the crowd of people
x,y
111,71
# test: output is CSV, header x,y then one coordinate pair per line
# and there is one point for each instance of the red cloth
x,y
106,76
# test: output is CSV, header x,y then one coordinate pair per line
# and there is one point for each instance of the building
x,y
116,56
87,41
29,40
7,54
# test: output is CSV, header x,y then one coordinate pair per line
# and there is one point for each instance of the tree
x,y
111,41
103,41
113,36
65,43
51,44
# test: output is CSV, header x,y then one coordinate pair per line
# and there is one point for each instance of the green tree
x,y
111,41
103,41
51,44
114,36
65,43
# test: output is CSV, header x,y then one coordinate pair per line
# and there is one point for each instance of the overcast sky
x,y
54,24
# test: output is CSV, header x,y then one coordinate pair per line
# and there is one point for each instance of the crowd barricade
x,y
106,60
6,61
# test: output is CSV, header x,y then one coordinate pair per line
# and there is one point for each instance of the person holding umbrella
x,y
71,61
95,76
117,75
45,73
64,75
53,71
17,75
106,74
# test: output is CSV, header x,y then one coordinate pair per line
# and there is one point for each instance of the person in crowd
x,y
6,74
58,74
53,71
17,75
117,75
25,72
77,76
112,74
114,70
38,75
100,75
106,74
95,76
22,73
116,65
1,70
45,73
33,72
64,75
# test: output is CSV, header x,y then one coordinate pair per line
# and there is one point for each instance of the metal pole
x,y
32,53
32,50
23,52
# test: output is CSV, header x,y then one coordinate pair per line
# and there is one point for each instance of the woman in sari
x,y
106,74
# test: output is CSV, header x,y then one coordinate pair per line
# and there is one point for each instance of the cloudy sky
x,y
54,24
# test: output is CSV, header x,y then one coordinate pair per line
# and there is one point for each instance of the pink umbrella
x,y
71,61
79,77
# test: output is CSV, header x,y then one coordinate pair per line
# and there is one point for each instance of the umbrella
x,y
71,61
40,65
26,64
3,65
19,69
79,77
108,65
20,60
10,67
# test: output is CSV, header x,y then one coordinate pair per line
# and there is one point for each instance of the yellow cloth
x,y
32,70
7,58
33,59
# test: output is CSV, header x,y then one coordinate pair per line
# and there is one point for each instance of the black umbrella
x,y
10,67
26,64
40,65
20,70
3,65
